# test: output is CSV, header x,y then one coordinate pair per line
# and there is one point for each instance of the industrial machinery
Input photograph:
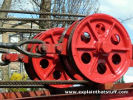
x,y
96,48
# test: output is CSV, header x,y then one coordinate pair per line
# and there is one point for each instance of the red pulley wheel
x,y
100,48
50,67
66,59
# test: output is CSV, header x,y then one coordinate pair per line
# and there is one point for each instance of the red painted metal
x,y
131,62
101,48
14,57
131,65
50,67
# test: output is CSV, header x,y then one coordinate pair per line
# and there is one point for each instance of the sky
x,y
120,9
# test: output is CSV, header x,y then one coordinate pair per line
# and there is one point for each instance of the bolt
x,y
115,39
85,37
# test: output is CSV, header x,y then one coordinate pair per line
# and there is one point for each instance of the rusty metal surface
x,y
37,95
118,96
64,97
14,95
106,86
128,96
123,86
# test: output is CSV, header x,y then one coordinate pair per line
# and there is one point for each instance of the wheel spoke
x,y
48,72
94,66
84,47
92,30
122,50
64,75
108,35
50,56
53,39
111,68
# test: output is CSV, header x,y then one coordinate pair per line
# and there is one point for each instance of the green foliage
x,y
17,77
